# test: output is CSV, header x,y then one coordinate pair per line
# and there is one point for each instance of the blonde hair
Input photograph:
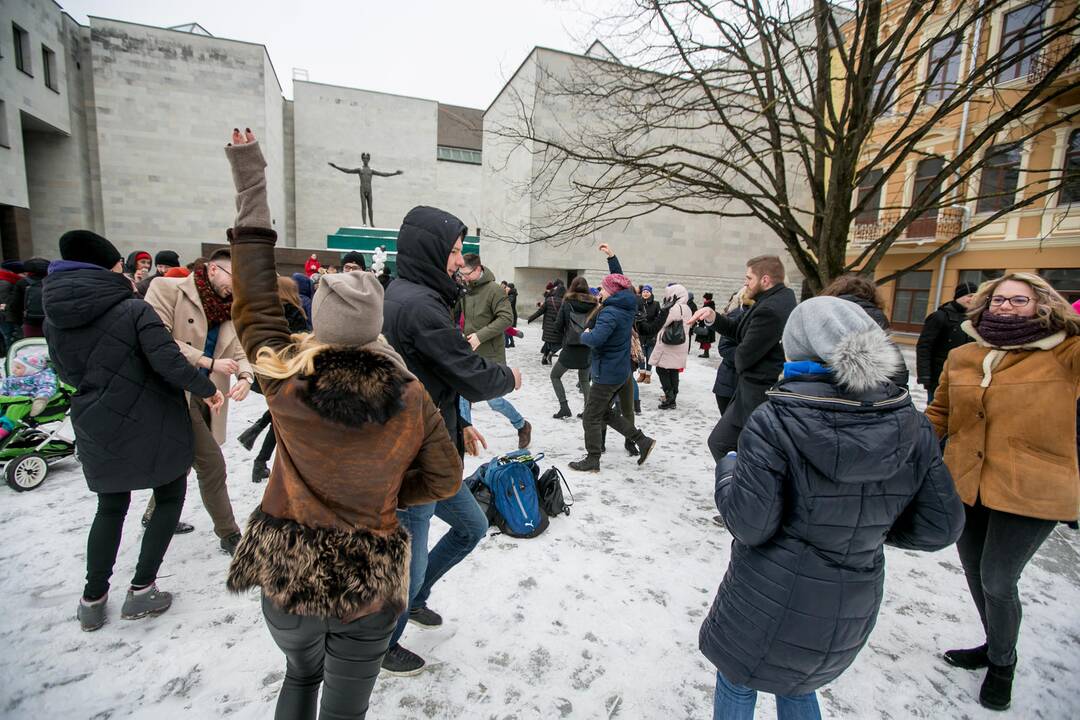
x,y
296,358
1050,308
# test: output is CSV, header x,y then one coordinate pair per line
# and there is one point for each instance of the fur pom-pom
x,y
862,361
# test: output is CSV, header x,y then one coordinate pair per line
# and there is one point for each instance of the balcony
x,y
1050,57
925,230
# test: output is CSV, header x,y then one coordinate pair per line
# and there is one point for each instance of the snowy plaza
x,y
596,618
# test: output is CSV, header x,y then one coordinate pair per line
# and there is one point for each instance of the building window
x,y
944,68
461,155
1000,173
48,68
1065,280
911,299
979,276
869,214
1022,29
3,126
1070,185
22,49
884,88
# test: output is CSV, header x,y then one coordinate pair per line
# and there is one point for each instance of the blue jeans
x,y
647,350
468,526
736,702
499,405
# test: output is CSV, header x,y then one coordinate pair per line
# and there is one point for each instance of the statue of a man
x,y
365,173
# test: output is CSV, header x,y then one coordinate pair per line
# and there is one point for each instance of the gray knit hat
x,y
347,309
816,326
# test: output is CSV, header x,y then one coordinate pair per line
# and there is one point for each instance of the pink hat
x,y
615,282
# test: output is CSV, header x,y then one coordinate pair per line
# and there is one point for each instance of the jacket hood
x,y
353,386
426,237
38,267
829,426
8,276
580,302
954,309
875,313
486,277
680,293
624,300
77,297
129,264
303,283
863,361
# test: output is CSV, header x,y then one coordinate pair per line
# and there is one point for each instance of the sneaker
x,y
631,447
645,445
401,662
425,617
182,528
229,543
91,613
970,659
589,463
996,690
259,472
249,436
148,601
524,436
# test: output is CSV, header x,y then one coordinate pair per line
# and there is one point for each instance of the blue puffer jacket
x,y
822,479
609,339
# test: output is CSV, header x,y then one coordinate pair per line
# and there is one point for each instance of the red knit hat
x,y
615,282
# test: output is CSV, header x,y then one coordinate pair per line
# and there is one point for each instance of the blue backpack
x,y
512,482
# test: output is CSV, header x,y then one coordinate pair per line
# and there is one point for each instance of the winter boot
x,y
645,445
641,376
631,447
668,403
704,354
146,601
996,692
546,360
229,543
648,378
91,613
259,472
637,407
589,463
524,436
401,662
182,528
564,412
969,659
425,617
249,436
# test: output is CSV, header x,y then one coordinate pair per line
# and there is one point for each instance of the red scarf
x,y
216,310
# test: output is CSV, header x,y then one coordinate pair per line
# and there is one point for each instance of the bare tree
x,y
768,110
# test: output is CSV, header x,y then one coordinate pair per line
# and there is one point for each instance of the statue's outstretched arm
x,y
386,174
351,171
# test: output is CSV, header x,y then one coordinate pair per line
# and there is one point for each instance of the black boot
x,y
589,463
631,447
259,471
996,692
645,446
969,659
637,407
249,436
668,403
546,360
564,412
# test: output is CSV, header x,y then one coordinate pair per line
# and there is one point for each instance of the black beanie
x,y
967,288
354,257
167,257
89,247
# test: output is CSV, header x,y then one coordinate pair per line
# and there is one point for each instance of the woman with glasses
x,y
1006,405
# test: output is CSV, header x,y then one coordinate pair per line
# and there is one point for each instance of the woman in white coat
x,y
673,342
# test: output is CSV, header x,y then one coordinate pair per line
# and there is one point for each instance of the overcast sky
x,y
455,51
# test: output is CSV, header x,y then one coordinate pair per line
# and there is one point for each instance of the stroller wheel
x,y
26,472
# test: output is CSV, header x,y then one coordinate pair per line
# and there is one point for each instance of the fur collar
x,y
353,386
865,360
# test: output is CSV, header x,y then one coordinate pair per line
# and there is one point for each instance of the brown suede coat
x,y
356,439
1010,419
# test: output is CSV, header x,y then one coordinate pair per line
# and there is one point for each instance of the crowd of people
x,y
821,457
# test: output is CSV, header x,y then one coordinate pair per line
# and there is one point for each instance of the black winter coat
x,y
821,481
24,307
724,385
130,415
417,320
941,333
759,356
550,311
578,355
646,321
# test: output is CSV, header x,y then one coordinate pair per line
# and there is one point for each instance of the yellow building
x,y
1044,237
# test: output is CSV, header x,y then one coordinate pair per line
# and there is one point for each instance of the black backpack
x,y
33,307
575,326
550,489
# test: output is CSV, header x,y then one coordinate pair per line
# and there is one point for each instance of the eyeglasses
x,y
1017,301
227,272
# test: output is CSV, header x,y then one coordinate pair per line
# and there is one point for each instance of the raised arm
x,y
347,171
386,174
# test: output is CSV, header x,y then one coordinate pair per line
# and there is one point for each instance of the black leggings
x,y
343,658
269,443
994,549
669,381
108,527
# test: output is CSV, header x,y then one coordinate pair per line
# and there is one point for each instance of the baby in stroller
x,y
28,389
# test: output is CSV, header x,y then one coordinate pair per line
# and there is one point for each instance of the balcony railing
x,y
943,227
1050,57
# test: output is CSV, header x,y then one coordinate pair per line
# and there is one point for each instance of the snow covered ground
x,y
598,618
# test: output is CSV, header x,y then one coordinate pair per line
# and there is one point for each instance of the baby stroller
x,y
33,443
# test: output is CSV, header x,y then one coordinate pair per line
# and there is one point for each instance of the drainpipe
x,y
959,149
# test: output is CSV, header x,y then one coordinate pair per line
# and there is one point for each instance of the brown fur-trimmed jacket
x,y
356,439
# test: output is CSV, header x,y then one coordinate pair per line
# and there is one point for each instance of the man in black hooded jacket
x,y
941,334
418,323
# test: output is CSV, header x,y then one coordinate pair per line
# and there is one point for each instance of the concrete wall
x,y
289,137
165,103
337,124
24,92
